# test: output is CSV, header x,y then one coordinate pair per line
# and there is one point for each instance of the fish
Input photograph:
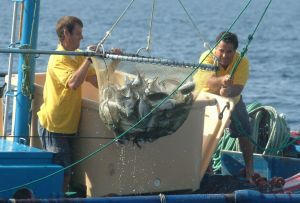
x,y
129,105
187,88
157,96
167,105
153,87
121,107
143,109
138,81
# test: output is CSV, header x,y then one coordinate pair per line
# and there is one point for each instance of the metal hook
x,y
221,114
97,50
143,48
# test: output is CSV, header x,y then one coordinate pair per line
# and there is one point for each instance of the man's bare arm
x,y
79,76
231,90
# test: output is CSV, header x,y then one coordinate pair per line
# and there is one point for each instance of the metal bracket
x,y
221,114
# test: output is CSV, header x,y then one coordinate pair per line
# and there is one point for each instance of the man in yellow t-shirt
x,y
220,83
60,112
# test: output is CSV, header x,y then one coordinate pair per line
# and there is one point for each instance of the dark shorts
x,y
240,123
59,144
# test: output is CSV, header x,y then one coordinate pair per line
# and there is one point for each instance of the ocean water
x,y
274,52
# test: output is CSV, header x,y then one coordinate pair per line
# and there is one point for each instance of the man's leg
x,y
59,144
63,155
247,151
240,128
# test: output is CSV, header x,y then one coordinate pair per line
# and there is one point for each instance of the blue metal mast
x,y
26,69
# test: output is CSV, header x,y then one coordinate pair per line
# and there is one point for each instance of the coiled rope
x,y
103,147
271,130
26,72
270,134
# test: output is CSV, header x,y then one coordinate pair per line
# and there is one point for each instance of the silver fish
x,y
187,88
138,81
121,108
144,107
167,105
153,87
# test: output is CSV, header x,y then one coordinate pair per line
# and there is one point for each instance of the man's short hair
x,y
66,22
228,37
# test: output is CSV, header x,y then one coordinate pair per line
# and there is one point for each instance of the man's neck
x,y
223,67
66,47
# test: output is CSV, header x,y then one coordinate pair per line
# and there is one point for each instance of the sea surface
x,y
274,52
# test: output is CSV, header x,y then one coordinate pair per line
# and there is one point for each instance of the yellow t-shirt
x,y
60,112
240,76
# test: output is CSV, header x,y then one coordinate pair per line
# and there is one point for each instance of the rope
x,y
274,130
26,68
26,71
108,33
270,134
216,44
149,37
227,142
250,38
104,146
205,43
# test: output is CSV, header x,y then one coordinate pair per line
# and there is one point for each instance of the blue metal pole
x,y
242,196
26,69
249,196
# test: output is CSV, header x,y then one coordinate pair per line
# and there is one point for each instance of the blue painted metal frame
x,y
267,166
29,36
21,164
241,196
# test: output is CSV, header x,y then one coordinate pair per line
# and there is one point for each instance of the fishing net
x,y
129,91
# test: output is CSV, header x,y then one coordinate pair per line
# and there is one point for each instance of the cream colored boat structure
x,y
172,163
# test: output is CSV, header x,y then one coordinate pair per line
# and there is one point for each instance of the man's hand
x,y
226,91
116,51
231,90
226,81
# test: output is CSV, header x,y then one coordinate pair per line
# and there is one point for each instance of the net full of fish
x,y
121,107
